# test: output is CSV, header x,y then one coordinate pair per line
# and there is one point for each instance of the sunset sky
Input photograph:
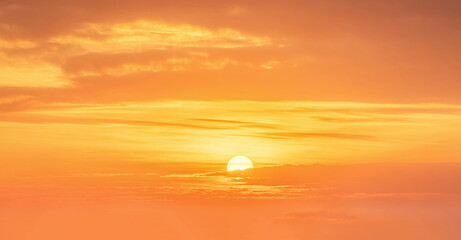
x,y
118,119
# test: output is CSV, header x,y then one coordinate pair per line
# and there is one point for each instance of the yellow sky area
x,y
29,71
213,132
31,74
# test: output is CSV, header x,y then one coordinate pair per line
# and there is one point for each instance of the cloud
x,y
297,58
266,131
146,35
370,180
32,75
225,122
170,181
151,61
117,49
291,135
97,121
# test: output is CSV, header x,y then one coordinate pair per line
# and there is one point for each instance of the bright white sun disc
x,y
239,163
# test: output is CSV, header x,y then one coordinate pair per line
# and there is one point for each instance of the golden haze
x,y
118,119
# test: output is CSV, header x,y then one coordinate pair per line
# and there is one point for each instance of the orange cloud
x,y
313,51
144,35
39,63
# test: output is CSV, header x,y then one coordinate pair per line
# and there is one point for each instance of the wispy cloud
x,y
290,135
208,130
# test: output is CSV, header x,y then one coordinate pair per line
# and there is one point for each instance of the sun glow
x,y
239,163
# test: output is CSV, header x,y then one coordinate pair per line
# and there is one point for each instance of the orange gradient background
x,y
118,118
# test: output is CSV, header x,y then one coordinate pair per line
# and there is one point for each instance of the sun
x,y
239,163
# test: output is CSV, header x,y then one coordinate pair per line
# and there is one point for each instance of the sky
x,y
118,118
